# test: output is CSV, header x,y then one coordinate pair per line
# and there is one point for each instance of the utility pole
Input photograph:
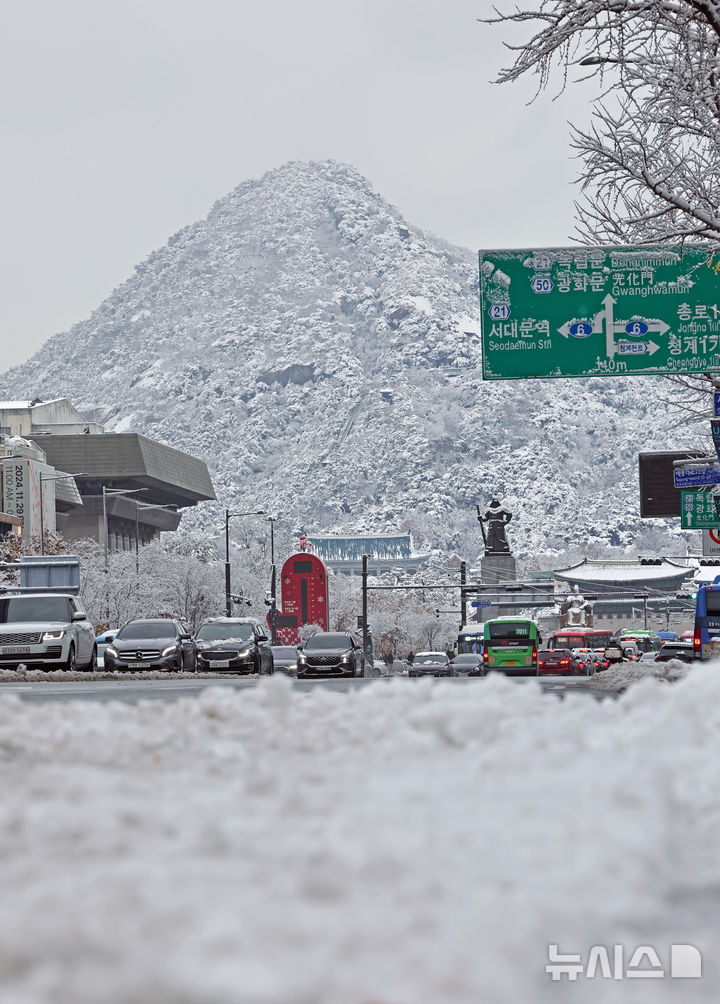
x,y
228,516
273,584
463,601
365,635
228,598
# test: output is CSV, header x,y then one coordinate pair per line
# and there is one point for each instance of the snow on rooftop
x,y
401,843
589,570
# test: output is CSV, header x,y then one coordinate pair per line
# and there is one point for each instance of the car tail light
x,y
564,662
534,655
697,643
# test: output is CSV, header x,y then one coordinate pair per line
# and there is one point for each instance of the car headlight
x,y
244,653
345,658
53,635
301,659
170,650
111,650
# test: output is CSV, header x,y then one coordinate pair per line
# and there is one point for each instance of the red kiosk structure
x,y
304,595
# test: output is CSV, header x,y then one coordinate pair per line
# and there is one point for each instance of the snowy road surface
x,y
133,690
397,844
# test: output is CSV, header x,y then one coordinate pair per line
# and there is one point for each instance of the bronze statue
x,y
497,518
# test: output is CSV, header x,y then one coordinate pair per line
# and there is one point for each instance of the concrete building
x,y
33,492
629,593
33,418
151,474
133,485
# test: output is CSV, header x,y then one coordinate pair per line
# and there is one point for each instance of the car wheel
x,y
92,666
70,664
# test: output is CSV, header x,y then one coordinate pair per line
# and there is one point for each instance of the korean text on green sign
x,y
697,511
571,312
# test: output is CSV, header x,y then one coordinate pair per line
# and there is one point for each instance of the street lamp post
x,y
105,493
58,477
273,584
228,516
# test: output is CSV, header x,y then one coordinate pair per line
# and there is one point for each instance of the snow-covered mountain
x,y
323,356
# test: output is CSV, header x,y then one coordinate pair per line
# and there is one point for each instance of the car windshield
x,y
147,629
16,609
433,657
466,658
319,642
224,632
284,652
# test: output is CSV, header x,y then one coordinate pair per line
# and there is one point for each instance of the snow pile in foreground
x,y
400,844
620,676
22,673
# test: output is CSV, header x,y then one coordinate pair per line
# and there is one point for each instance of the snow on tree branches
x,y
651,150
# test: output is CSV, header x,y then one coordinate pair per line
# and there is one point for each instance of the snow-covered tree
x,y
651,152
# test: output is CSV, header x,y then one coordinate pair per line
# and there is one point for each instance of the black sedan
x,y
161,643
237,644
468,664
330,654
431,664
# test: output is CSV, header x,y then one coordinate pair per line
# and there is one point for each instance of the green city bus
x,y
510,645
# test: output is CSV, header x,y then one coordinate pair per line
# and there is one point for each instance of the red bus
x,y
579,637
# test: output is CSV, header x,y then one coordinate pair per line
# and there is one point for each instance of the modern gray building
x,y
128,483
151,473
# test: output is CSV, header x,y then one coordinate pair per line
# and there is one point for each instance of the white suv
x,y
46,630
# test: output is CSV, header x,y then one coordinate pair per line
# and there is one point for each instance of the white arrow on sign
x,y
609,302
605,321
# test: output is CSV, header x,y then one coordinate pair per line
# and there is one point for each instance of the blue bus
x,y
707,620
470,639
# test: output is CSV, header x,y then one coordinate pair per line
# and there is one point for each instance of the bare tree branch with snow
x,y
651,151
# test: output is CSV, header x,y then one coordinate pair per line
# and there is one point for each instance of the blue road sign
x,y
716,398
481,603
696,477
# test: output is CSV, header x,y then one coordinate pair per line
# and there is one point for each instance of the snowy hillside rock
x,y
323,356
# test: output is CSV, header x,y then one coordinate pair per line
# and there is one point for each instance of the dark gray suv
x,y
330,653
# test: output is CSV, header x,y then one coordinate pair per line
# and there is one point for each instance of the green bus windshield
x,y
521,631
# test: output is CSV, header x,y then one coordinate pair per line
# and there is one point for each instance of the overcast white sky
x,y
124,120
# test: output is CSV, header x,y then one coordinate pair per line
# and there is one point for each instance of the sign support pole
x,y
365,633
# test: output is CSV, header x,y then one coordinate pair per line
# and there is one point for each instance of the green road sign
x,y
697,510
572,312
